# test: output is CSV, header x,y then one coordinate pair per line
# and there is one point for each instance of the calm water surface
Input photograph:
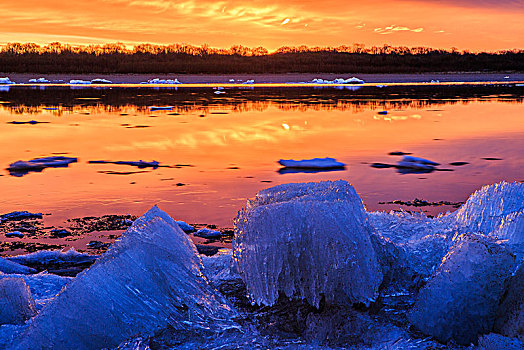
x,y
222,149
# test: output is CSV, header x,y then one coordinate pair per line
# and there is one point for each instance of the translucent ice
x,y
485,210
460,300
510,315
16,302
44,286
307,241
150,279
496,210
219,267
410,247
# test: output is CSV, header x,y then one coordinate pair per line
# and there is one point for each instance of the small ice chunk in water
x,y
14,234
416,163
39,81
315,163
208,233
79,82
149,280
6,81
162,81
101,81
185,227
160,108
307,241
460,300
16,302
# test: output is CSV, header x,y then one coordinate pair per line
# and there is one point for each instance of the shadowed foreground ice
x,y
311,269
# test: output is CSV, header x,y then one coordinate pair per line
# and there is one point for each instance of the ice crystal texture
x,y
16,301
460,300
307,241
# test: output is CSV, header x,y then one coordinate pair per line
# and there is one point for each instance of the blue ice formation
x,y
461,298
16,302
307,241
150,279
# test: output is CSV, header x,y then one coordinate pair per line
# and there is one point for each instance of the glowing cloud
x,y
393,28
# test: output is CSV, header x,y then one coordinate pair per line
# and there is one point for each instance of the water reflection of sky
x,y
234,142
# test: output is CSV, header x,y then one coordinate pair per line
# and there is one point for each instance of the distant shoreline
x,y
284,79
151,59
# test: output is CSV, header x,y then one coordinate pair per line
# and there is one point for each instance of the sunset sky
x,y
466,24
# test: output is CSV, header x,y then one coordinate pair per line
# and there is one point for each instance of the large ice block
x,y
150,279
460,300
16,301
487,209
307,241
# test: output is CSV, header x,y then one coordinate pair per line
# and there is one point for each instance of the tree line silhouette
x,y
188,59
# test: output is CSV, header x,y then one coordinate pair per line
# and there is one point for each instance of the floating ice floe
x,y
185,227
101,81
307,241
17,234
149,280
19,215
140,164
411,162
219,92
352,80
21,168
208,233
6,81
161,81
315,163
460,300
31,122
39,81
249,81
16,302
160,108
79,82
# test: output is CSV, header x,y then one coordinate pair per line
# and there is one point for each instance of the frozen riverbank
x,y
270,78
323,273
